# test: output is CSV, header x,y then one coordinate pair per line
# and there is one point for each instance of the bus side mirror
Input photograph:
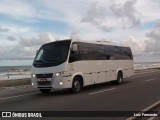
x,y
74,47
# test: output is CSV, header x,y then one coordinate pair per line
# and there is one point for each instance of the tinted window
x,y
88,51
118,52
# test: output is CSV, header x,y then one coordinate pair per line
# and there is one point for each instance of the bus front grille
x,y
46,75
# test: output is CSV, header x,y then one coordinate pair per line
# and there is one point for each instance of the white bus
x,y
74,64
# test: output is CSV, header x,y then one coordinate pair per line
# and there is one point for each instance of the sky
x,y
27,24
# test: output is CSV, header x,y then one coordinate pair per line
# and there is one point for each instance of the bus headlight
x,y
58,74
33,75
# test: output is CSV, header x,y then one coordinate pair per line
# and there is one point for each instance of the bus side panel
x,y
101,77
91,70
87,79
98,71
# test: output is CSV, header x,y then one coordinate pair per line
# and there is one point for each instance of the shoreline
x,y
27,81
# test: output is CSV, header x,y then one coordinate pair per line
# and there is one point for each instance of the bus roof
x,y
103,42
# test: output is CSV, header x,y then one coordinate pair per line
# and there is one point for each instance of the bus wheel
x,y
119,78
45,90
76,85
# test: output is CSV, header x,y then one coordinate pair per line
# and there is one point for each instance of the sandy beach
x,y
18,82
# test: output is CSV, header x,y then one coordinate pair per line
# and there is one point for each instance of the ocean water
x,y
14,72
145,65
21,72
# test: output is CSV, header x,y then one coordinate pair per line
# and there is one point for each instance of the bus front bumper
x,y
56,82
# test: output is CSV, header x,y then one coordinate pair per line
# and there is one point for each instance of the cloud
x,y
4,29
16,52
25,48
11,38
137,46
14,29
153,41
148,9
146,49
96,15
127,13
74,35
16,8
113,16
36,41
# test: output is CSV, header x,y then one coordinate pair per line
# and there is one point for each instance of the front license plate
x,y
43,79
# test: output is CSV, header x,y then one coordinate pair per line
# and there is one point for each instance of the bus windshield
x,y
52,54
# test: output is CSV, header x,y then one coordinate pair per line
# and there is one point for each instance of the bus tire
x,y
119,78
76,85
45,91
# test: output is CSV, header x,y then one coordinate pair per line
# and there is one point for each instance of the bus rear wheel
x,y
76,85
45,91
119,78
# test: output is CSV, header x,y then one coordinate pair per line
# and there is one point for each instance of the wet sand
x,y
18,82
